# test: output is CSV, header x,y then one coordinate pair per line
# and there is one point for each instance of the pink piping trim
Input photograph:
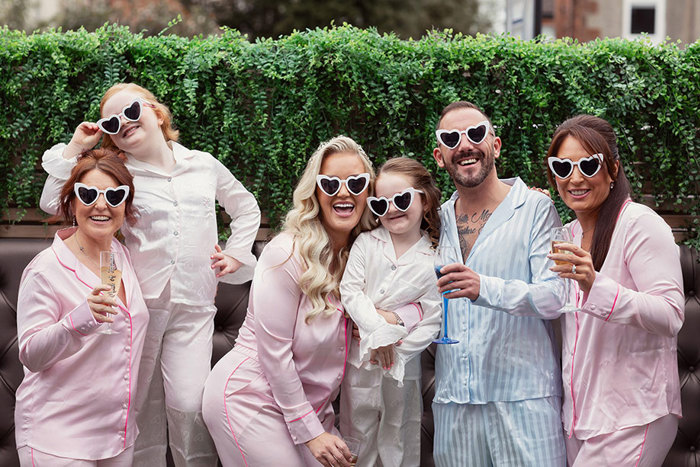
x,y
307,413
32,451
228,420
573,399
642,448
614,302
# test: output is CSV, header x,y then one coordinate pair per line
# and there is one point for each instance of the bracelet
x,y
399,321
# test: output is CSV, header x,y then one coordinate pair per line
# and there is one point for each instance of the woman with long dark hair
x,y
621,388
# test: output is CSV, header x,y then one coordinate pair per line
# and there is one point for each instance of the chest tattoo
x,y
469,227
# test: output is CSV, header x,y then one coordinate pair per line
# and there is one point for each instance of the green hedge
x,y
263,107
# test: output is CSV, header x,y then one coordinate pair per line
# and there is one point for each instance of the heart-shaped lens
x,y
133,112
451,139
330,186
562,168
477,134
403,201
589,166
378,206
87,195
110,125
115,196
357,185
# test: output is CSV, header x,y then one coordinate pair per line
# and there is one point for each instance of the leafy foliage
x,y
263,107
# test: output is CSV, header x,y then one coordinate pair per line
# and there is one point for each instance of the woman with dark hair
x,y
74,404
621,387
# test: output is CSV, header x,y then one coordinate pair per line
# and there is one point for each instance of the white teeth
x,y
578,192
99,218
467,162
343,205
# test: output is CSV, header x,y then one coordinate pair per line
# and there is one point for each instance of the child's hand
x,y
228,264
85,137
383,356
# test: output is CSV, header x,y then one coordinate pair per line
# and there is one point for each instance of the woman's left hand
x,y
226,263
330,450
578,265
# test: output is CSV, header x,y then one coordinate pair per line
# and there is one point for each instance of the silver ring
x,y
573,269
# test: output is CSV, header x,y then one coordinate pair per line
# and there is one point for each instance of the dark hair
x,y
105,160
596,136
422,180
463,105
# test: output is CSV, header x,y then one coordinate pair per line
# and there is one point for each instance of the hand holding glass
x,y
110,275
563,235
445,255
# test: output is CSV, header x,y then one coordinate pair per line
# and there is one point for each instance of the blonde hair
x,y
310,237
169,133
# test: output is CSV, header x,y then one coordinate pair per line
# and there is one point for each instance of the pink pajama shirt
x,y
274,390
619,352
77,397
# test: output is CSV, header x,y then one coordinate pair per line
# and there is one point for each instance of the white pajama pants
x,y
175,364
30,457
385,417
637,446
524,433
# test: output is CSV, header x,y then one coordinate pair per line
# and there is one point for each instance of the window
x,y
642,20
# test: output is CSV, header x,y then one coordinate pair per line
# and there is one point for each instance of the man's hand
x,y
460,280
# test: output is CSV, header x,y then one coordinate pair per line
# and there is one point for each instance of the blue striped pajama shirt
x,y
506,352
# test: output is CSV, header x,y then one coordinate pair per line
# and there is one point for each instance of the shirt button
x,y
126,377
393,267
381,291
176,233
174,203
340,376
172,261
124,405
170,179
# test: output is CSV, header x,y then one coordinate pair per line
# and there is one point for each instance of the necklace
x,y
82,250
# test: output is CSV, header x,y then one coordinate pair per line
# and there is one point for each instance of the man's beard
x,y
487,165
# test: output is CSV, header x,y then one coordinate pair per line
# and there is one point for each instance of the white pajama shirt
x,y
384,406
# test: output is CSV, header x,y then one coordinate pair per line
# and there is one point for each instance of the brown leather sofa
x,y
231,302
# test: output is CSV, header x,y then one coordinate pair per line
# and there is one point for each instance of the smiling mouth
x,y
129,130
344,209
578,192
468,161
100,218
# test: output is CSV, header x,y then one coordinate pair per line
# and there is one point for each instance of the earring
x,y
612,185
73,221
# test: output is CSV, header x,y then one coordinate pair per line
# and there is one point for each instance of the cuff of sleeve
x,y
81,321
54,163
489,290
411,314
383,335
397,371
602,297
247,269
306,427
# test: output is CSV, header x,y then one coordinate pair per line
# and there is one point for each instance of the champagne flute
x,y
353,445
112,276
445,255
563,235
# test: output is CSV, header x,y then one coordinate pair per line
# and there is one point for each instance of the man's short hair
x,y
463,105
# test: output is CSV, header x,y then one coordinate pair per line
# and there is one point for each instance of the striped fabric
x,y
523,434
506,350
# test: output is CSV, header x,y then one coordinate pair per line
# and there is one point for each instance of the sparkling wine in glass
x,y
563,235
445,255
112,276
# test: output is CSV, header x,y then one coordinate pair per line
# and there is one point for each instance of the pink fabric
x,y
619,369
280,362
76,399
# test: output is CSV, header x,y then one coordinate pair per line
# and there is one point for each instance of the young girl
x,y
389,291
176,258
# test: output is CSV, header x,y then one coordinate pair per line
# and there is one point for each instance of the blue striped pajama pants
x,y
524,433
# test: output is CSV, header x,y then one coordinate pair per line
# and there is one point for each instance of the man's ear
x,y
437,154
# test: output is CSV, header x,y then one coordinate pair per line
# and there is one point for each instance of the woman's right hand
x,y
85,137
101,304
330,450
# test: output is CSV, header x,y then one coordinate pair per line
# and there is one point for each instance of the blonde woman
x,y
268,401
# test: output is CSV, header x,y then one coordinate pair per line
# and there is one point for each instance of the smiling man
x,y
498,396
